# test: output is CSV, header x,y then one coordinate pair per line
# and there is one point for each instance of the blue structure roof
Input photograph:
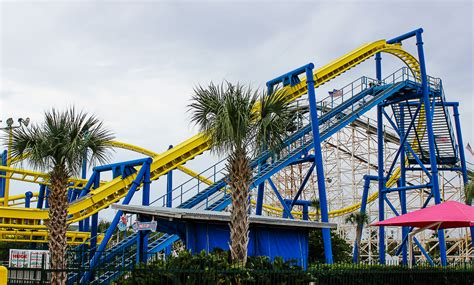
x,y
208,230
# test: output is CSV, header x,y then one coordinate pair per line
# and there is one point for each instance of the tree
x,y
358,219
341,250
58,146
469,190
316,204
236,119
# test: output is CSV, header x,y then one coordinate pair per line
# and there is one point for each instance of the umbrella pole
x,y
410,240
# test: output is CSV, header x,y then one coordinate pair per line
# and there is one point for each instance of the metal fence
x,y
317,275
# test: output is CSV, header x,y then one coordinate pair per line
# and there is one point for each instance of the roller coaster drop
x,y
411,102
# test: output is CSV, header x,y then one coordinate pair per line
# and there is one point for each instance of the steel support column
x,y
142,240
402,181
318,160
431,138
169,197
381,178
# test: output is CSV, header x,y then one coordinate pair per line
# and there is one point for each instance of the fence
x,y
317,275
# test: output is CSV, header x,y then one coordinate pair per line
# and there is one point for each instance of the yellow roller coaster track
x,y
113,191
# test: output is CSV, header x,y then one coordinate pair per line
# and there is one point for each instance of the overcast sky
x,y
134,64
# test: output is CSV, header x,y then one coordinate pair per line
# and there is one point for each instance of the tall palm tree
x,y
237,120
58,146
469,190
358,219
316,204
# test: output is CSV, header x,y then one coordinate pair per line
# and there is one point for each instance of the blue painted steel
x,y
28,196
88,185
46,198
381,179
123,165
378,66
403,136
169,187
319,162
290,78
94,221
41,195
403,37
169,197
94,261
405,188
431,138
260,192
83,176
462,156
287,210
402,182
303,184
142,242
2,180
390,205
363,207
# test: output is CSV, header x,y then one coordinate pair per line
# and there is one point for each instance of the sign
x,y
145,226
23,258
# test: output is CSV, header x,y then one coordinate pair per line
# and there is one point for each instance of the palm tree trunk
x,y
57,226
239,180
358,241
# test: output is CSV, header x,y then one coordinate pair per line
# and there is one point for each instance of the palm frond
x,y
62,140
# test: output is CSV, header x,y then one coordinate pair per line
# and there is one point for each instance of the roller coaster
x,y
405,152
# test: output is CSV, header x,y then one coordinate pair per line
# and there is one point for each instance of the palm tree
x,y
236,119
58,146
316,204
469,190
358,219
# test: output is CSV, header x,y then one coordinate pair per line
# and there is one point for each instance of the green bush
x,y
215,268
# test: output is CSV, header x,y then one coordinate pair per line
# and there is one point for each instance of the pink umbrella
x,y
446,215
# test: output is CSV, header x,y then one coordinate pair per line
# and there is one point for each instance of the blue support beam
x,y
108,234
169,187
303,184
319,162
82,226
462,156
41,196
381,179
402,183
378,66
2,180
363,207
28,196
431,138
169,198
287,211
403,37
260,193
142,246
94,222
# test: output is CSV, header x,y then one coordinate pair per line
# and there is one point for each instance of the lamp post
x,y
9,128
